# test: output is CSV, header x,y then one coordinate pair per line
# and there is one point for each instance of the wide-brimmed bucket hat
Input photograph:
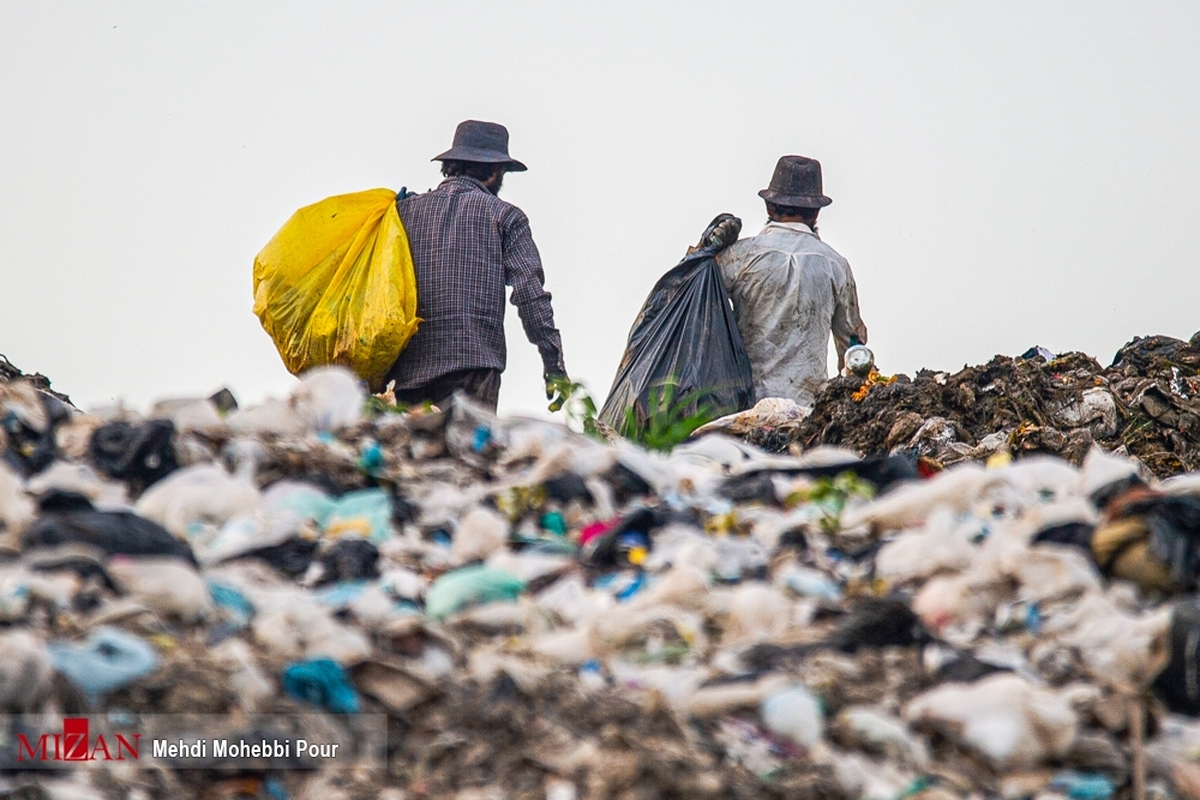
x,y
486,142
796,183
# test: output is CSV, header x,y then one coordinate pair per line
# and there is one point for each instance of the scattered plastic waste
x,y
468,586
167,586
1004,718
944,608
793,712
110,532
232,601
348,560
812,583
1084,786
26,671
139,453
366,513
109,659
198,495
323,683
480,533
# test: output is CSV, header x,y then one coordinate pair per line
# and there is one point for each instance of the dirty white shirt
x,y
790,290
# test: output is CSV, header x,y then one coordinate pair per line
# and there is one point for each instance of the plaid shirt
x,y
467,245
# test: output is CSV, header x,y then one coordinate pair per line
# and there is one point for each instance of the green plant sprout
x,y
576,404
671,420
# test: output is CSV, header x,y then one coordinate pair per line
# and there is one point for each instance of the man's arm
x,y
846,319
523,272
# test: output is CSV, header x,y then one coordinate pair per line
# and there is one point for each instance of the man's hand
x,y
721,232
558,389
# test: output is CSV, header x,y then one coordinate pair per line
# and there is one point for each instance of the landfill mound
x,y
9,373
536,614
1145,405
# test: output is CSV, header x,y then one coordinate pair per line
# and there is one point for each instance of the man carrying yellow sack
x,y
467,245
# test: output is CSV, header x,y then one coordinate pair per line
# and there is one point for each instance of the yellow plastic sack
x,y
336,286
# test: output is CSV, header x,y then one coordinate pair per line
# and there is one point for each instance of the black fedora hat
x,y
486,142
796,183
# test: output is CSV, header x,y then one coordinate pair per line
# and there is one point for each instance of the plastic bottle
x,y
859,359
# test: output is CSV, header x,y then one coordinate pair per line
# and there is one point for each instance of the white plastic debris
x,y
1101,469
26,671
290,626
794,712
877,732
757,613
1119,649
770,412
1096,408
201,494
79,479
251,687
16,510
166,586
733,617
1006,719
329,399
480,533
942,544
197,415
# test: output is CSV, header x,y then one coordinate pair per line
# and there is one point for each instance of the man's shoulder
x,y
752,246
819,247
775,240
478,201
777,247
504,214
500,209
800,244
506,208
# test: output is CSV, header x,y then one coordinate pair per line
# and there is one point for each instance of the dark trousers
x,y
481,385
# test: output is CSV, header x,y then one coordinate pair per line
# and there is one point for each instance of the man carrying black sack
x,y
467,246
789,289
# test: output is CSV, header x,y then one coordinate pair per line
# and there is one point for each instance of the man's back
x,y
790,291
467,244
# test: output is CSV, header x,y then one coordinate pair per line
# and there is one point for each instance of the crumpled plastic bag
x,y
108,660
473,585
322,682
1005,718
336,286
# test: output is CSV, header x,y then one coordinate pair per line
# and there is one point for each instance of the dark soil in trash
x,y
10,373
1027,405
496,734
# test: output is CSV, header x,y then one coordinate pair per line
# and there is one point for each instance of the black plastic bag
x,y
31,450
68,519
349,559
685,348
1178,685
138,453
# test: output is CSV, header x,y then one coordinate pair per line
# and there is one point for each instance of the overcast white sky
x,y
1003,175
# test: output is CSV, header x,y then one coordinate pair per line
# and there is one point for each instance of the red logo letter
x,y
75,739
33,753
132,748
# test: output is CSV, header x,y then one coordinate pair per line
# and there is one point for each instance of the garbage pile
x,y
9,373
1146,405
542,615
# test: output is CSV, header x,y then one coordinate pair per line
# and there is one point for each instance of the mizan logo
x,y
74,744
